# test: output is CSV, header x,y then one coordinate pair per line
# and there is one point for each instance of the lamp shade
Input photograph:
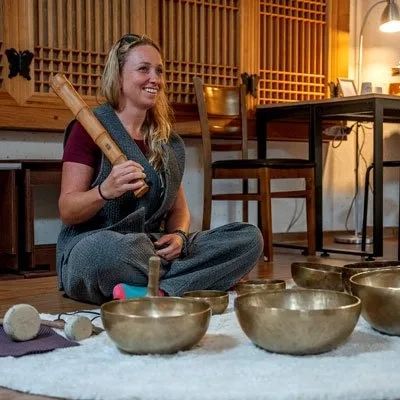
x,y
390,20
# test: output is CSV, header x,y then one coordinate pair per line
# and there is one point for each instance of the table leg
x,y
316,156
378,181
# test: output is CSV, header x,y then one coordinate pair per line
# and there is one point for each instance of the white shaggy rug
x,y
224,365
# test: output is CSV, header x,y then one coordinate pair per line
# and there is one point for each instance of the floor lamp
x,y
390,23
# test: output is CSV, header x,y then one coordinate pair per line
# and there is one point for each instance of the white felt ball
x,y
78,328
21,322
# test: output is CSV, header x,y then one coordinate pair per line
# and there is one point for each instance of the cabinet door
x,y
291,46
203,38
210,39
69,36
293,68
8,219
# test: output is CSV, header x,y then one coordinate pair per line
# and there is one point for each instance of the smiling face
x,y
141,78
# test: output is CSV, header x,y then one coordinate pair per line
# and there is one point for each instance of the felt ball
x,y
21,322
78,328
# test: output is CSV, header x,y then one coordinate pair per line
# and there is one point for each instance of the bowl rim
x,y
367,273
215,294
261,281
369,265
337,270
355,303
207,307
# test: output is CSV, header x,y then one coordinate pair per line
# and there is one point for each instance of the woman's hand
x,y
124,177
169,246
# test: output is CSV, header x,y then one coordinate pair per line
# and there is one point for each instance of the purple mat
x,y
46,340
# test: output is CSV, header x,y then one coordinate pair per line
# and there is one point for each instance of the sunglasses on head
x,y
130,38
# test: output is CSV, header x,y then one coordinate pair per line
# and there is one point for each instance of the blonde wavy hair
x,y
157,129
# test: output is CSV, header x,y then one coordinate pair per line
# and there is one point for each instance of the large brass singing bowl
x,y
259,285
218,300
355,268
298,321
155,325
317,276
379,292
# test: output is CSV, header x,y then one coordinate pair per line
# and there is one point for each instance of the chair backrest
x,y
223,114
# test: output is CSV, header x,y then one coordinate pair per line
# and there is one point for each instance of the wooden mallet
x,y
22,322
82,112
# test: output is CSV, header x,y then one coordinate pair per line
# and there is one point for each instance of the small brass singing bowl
x,y
259,285
355,268
155,325
317,276
298,321
217,299
379,292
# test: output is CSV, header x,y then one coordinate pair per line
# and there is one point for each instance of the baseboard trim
x,y
388,232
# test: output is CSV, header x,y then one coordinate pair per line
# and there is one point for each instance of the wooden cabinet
x,y
71,36
18,180
9,247
288,46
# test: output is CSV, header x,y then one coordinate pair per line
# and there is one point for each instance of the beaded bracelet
x,y
183,235
101,194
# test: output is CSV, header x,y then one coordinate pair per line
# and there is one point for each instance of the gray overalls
x,y
115,245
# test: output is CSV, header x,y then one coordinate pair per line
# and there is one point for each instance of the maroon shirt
x,y
81,148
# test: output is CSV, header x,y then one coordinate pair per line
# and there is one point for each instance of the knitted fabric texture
x,y
127,214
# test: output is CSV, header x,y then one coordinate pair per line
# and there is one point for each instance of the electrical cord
x,y
97,314
296,215
360,155
338,133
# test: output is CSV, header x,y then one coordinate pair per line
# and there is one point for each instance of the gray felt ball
x,y
21,322
78,328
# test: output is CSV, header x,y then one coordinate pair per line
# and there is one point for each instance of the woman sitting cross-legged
x,y
108,234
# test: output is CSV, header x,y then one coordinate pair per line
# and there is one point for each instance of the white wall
x,y
28,145
380,54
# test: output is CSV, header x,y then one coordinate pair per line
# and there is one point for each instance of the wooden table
x,y
375,108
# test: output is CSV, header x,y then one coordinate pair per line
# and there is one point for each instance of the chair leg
x,y
207,204
245,203
310,212
398,230
266,214
365,210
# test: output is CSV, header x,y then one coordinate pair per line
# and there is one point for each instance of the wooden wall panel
x,y
285,42
338,41
293,61
199,38
73,36
3,59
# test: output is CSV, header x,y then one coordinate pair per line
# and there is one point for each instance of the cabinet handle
x,y
19,62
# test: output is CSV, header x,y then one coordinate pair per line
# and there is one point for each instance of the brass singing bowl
x,y
317,276
155,325
355,268
379,292
217,299
259,285
298,321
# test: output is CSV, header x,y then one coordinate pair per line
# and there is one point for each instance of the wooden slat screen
x,y
3,58
292,62
199,38
73,36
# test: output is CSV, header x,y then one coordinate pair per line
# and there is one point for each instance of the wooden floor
x,y
42,293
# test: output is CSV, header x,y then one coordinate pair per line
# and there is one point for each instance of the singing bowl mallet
x,y
22,322
72,99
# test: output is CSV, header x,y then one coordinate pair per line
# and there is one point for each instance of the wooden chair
x,y
223,114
